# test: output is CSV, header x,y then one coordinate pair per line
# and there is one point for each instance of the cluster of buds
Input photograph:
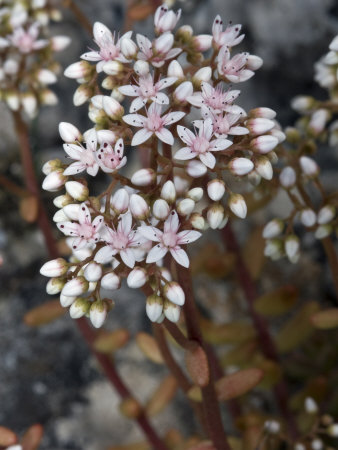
x,y
193,141
27,63
300,171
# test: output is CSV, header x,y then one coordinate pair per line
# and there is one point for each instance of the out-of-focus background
x,y
46,373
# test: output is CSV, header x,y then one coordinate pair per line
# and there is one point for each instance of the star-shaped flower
x,y
229,37
84,156
109,158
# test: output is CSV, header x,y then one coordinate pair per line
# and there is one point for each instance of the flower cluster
x,y
27,66
193,141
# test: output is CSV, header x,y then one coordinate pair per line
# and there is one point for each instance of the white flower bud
x,y
332,430
259,125
318,121
168,192
67,300
174,293
112,107
138,207
175,70
181,185
54,181
80,69
59,43
77,190
69,133
120,201
326,214
278,134
317,444
141,67
273,249
60,216
272,426
183,91
196,169
79,308
47,97
98,313
154,307
110,281
46,76
51,165
287,177
292,248
334,44
143,177
299,446
308,217
310,405
13,100
161,209
171,311
241,166
29,103
254,62
216,189
93,271
165,274
128,48
62,200
202,42
197,221
75,287
265,113
54,286
223,223
164,43
82,94
195,194
264,167
238,206
72,211
264,144
113,68
215,215
308,166
302,103
273,229
137,278
203,74
185,206
323,231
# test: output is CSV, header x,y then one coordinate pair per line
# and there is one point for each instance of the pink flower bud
x,y
120,201
264,144
216,189
197,221
75,287
51,165
54,286
54,181
259,125
237,205
287,177
273,229
326,214
202,42
66,300
59,43
138,207
80,69
175,70
292,248
93,271
111,281
185,206
143,177
174,293
308,217
141,67
241,166
113,68
46,76
161,209
154,307
171,311
183,91
128,48
137,278
265,113
263,167
69,133
168,191
196,169
79,308
165,20
215,215
77,190
309,166
98,313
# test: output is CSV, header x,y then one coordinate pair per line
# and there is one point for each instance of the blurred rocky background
x,y
46,373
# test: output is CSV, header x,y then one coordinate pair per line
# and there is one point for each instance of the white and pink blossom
x,y
165,19
84,157
111,159
233,69
158,51
229,37
26,40
215,98
223,123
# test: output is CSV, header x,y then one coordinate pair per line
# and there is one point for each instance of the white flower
x,y
110,159
158,51
229,37
84,156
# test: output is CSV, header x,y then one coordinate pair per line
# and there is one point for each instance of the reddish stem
x,y
80,16
332,259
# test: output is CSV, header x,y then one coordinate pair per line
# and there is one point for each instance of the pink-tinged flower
x,y
109,158
122,241
223,124
201,146
84,156
233,69
215,98
158,51
109,50
147,90
153,124
229,37
85,232
169,240
26,41
165,20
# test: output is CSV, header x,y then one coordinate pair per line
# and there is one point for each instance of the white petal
x,y
75,168
143,43
156,253
84,215
68,228
165,136
173,117
196,99
137,104
219,144
97,223
92,170
208,159
180,256
128,257
125,223
238,131
135,119
141,136
100,32
188,236
130,90
151,233
105,255
186,135
207,129
91,56
172,223
72,150
184,154
165,82
161,99
91,140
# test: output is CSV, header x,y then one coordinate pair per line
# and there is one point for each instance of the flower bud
x,y
318,121
272,426
154,307
47,97
259,125
174,293
202,42
59,43
309,166
141,67
183,91
168,192
82,94
332,430
120,201
184,32
138,207
69,133
112,107
310,405
13,100
161,209
196,169
54,181
51,165
72,211
280,135
197,221
238,206
98,313
185,206
308,217
263,167
46,76
75,287
60,216
113,68
137,278
66,300
77,190
215,215
265,113
203,74
54,286
223,223
292,248
110,281
317,444
254,62
164,43
241,166
195,194
326,214
175,70
287,177
264,144
80,69
128,48
323,231
216,189
273,229
79,308
143,177
171,311
29,103
302,103
299,446
62,200
93,271
273,249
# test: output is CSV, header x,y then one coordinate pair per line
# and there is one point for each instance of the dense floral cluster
x,y
193,142
27,66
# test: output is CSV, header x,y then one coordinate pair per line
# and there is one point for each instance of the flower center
x,y
86,231
147,88
169,239
200,144
154,122
120,241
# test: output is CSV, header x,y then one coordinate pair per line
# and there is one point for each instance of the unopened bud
x,y
141,67
196,169
76,286
216,189
46,76
203,74
51,165
174,293
29,103
69,133
197,221
318,121
112,107
299,446
77,190
185,206
168,191
241,166
287,177
54,286
309,166
273,249
317,444
120,201
238,206
154,307
308,217
143,177
264,144
80,69
175,70
13,100
54,268
332,430
265,113
110,281
272,426
310,405
323,231
113,68
79,308
183,91
54,181
128,48
215,215
326,214
98,313
202,42
66,300
259,125
264,167
161,209
137,278
93,271
195,194
273,229
138,207
82,94
59,43
254,62
72,211
292,248
302,103
171,311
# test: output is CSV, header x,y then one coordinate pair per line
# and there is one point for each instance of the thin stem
x,y
80,16
332,260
